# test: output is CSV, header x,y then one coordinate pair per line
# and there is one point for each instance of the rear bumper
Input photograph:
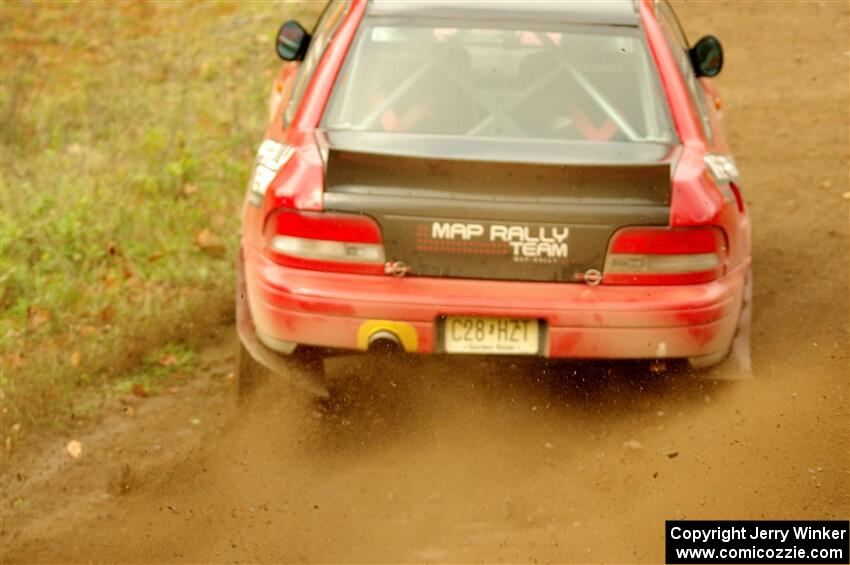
x,y
606,322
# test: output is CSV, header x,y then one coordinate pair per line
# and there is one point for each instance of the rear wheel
x,y
304,362
736,356
249,373
704,362
310,361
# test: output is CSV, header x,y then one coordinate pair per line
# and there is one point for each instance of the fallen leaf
x,y
13,360
74,449
139,390
37,317
111,248
209,242
75,359
15,429
189,189
87,330
155,256
219,221
167,360
107,314
130,411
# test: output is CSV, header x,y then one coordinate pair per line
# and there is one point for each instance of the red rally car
x,y
518,178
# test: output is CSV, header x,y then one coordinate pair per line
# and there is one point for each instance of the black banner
x,y
757,541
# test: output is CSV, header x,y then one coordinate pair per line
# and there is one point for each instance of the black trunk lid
x,y
497,209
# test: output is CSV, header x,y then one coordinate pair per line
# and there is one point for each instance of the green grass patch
x,y
157,367
127,130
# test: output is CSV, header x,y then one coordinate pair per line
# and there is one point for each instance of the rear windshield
x,y
594,83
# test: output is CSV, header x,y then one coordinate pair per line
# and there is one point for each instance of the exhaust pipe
x,y
386,342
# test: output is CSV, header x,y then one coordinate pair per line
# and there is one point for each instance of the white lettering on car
x,y
546,243
446,230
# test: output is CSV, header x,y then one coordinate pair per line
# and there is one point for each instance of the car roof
x,y
611,12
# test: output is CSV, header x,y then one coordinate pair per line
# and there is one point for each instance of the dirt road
x,y
466,460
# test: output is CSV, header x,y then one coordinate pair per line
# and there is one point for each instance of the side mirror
x,y
292,41
707,57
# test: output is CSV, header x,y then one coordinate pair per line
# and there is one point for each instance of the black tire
x,y
704,363
249,374
303,362
309,361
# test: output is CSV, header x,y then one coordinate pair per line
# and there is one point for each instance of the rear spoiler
x,y
497,169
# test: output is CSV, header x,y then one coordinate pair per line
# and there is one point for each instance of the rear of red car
x,y
499,179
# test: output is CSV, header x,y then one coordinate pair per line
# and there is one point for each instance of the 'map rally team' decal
x,y
538,244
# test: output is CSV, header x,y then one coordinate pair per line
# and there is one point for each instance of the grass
x,y
128,130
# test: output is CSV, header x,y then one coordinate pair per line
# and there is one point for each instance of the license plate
x,y
503,336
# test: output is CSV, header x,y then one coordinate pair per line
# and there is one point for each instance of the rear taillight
x,y
325,241
665,256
